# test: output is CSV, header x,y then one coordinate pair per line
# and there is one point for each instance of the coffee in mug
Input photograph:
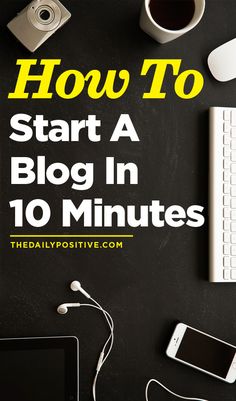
x,y
172,14
166,20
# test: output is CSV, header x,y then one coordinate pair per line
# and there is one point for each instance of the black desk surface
x,y
160,277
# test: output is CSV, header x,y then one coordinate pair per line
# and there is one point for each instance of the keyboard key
x,y
233,250
233,274
226,163
233,132
227,151
226,140
233,215
226,225
226,200
227,115
226,176
233,144
226,213
226,261
233,118
233,168
233,262
233,227
233,203
233,156
226,237
232,180
233,190
226,127
233,238
226,188
226,274
226,250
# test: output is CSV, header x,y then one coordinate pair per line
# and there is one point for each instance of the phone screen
x,y
206,353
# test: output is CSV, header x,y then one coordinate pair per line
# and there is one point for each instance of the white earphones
x,y
63,309
106,350
75,286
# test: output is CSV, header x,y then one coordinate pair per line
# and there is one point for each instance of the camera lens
x,y
44,15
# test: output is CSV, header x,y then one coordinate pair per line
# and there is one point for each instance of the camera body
x,y
38,21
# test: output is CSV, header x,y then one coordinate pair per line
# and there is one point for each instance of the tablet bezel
x,y
69,344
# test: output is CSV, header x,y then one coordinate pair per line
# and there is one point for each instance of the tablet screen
x,y
35,370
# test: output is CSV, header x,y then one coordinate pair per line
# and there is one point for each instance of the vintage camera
x,y
38,21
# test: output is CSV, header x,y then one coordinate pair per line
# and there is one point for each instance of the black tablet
x,y
39,369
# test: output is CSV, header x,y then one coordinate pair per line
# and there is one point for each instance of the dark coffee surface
x,y
172,14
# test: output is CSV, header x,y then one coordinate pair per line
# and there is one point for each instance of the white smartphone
x,y
203,352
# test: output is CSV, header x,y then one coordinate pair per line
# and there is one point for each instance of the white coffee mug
x,y
161,34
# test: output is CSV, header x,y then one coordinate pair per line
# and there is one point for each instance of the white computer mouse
x,y
222,61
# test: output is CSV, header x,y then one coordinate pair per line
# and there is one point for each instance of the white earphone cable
x,y
103,355
111,325
169,391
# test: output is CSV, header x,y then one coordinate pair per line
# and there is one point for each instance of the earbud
x,y
63,309
76,286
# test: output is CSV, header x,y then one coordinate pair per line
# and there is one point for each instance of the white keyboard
x,y
222,195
